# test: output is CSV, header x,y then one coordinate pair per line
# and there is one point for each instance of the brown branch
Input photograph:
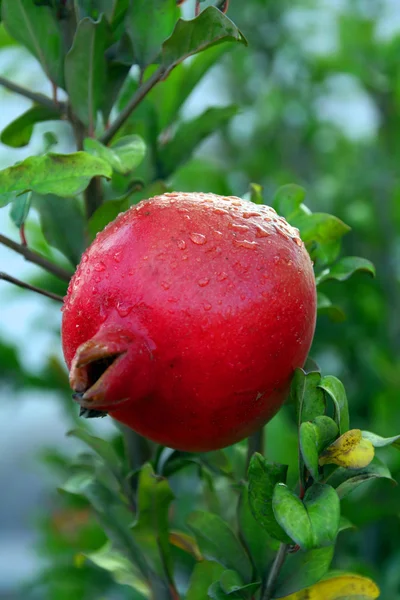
x,y
35,97
130,107
32,288
36,258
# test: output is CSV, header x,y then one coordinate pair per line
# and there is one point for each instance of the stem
x,y
255,443
130,107
35,97
274,572
36,258
27,286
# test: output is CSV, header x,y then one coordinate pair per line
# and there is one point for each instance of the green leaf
x,y
319,227
116,74
254,537
61,174
256,195
101,447
63,224
151,530
218,542
308,399
347,480
19,132
313,438
122,570
204,574
123,156
263,476
288,199
232,585
189,135
325,307
217,592
303,569
312,523
335,390
85,70
106,213
149,23
381,442
189,37
20,209
36,29
345,268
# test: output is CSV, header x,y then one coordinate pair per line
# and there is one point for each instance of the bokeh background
x,y
318,91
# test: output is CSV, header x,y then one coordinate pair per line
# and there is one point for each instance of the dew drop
x,y
118,256
265,294
276,259
261,233
84,258
222,276
198,238
220,211
247,215
245,244
207,306
123,309
298,241
165,285
181,244
237,227
97,279
100,266
203,282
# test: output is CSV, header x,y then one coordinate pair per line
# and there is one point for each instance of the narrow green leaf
x,y
347,480
380,442
149,23
345,268
308,399
122,570
292,516
256,195
319,227
85,69
303,569
335,390
19,132
288,199
123,156
189,37
323,507
36,29
325,307
233,586
63,224
20,209
309,448
254,537
218,542
151,530
116,75
100,446
204,574
61,174
263,476
189,135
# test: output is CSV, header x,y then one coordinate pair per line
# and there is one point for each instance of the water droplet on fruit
x,y
84,258
118,256
207,306
100,266
222,276
265,294
298,241
181,244
261,233
220,211
237,227
97,279
198,238
247,215
276,259
123,309
203,282
245,244
165,285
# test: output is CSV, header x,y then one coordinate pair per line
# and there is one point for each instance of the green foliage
x,y
19,132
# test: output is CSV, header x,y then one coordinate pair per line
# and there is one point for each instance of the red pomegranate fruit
x,y
187,317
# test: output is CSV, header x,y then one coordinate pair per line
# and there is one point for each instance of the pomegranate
x,y
187,317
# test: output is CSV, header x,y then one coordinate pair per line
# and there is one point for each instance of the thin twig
x,y
35,97
36,258
130,107
274,572
32,288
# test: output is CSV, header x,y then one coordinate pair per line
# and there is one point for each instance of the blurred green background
x,y
318,97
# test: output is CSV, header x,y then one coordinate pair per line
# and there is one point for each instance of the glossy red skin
x,y
214,300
